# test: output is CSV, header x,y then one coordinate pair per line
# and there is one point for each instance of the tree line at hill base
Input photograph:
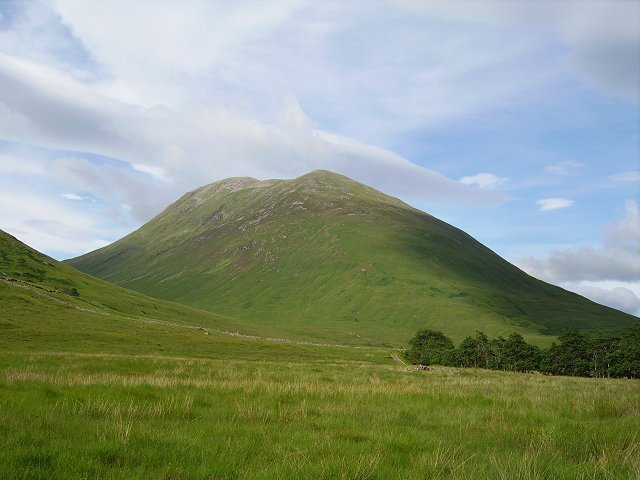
x,y
593,353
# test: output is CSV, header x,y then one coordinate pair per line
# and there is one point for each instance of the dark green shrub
x,y
430,347
624,360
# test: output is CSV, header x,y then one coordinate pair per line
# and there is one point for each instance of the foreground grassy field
x,y
72,416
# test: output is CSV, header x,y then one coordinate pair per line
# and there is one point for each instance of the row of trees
x,y
594,353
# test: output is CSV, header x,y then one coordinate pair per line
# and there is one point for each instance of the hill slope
x,y
40,314
47,304
325,257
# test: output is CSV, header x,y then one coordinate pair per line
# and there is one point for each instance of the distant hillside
x,y
40,313
324,257
39,295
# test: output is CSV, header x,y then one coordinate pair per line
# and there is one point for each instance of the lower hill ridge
x,y
324,257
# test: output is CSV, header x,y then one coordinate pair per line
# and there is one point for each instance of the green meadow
x,y
91,396
85,416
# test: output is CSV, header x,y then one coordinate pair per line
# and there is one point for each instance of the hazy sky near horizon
x,y
518,122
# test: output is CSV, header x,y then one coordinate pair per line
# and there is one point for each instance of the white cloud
x,y
343,66
111,184
368,71
562,168
339,59
625,233
34,98
373,166
47,225
626,177
609,273
33,31
155,61
621,298
618,258
608,58
483,180
601,38
72,196
193,147
155,172
585,263
546,204
17,165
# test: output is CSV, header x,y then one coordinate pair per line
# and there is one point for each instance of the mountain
x,y
325,257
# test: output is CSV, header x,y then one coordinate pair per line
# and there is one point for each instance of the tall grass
x,y
100,416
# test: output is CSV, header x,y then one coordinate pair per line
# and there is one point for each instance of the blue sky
x,y
516,121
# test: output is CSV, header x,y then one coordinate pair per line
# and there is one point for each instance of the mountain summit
x,y
325,257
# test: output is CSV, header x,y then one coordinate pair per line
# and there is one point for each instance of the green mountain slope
x,y
41,314
325,257
44,302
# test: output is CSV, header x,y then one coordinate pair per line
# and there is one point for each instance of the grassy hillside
x,y
323,256
37,315
113,384
41,297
